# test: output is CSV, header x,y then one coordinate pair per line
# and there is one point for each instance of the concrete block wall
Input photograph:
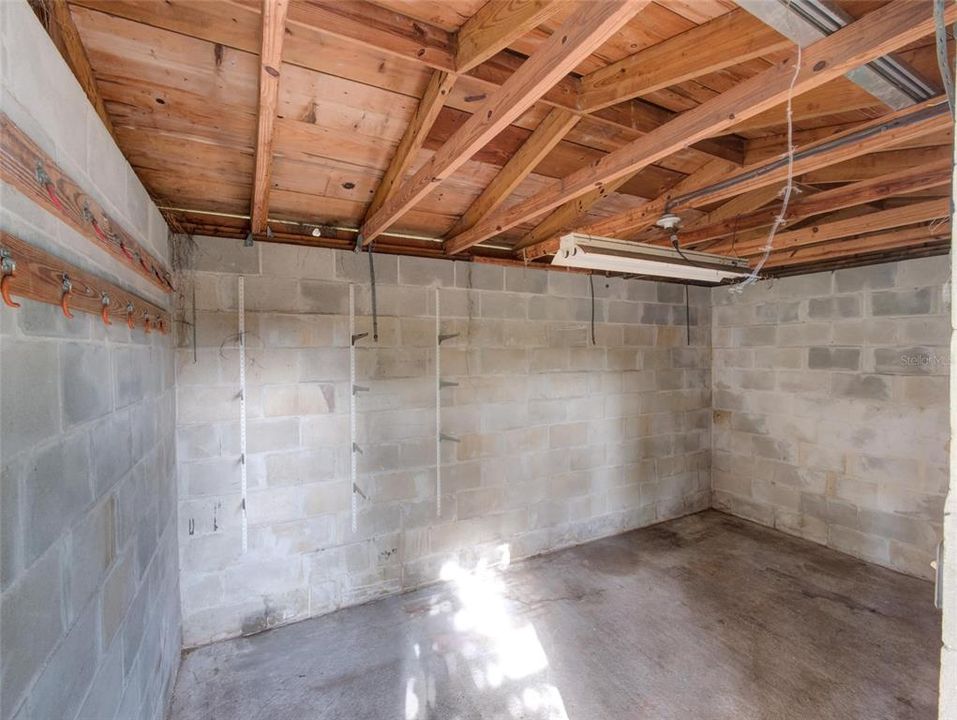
x,y
562,441
89,606
831,397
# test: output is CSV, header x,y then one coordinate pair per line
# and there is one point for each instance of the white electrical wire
x,y
788,187
353,447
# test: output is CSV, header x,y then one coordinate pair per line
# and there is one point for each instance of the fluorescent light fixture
x,y
598,253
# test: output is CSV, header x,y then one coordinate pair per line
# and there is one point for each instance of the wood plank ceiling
x,y
487,128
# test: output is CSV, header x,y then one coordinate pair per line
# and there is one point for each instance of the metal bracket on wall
x,y
440,436
355,450
241,300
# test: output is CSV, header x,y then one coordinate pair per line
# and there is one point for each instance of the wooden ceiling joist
x,y
541,142
586,28
874,35
563,219
893,184
867,138
270,64
929,210
937,235
56,18
496,25
440,84
727,40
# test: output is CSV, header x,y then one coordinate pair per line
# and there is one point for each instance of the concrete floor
x,y
703,617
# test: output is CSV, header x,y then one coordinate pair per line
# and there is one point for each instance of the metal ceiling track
x,y
807,21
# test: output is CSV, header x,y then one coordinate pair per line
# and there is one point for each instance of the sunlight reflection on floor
x,y
474,632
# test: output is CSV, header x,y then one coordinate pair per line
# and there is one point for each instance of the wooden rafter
x,y
729,39
433,99
928,210
893,184
545,137
395,36
886,241
563,218
586,28
497,25
873,36
270,62
872,137
58,22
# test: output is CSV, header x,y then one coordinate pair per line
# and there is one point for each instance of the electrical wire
x,y
375,304
789,185
591,285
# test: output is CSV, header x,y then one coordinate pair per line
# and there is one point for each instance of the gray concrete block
x,y
61,687
833,358
526,280
45,320
32,623
106,689
112,451
844,306
869,277
117,594
30,401
902,302
479,276
57,489
911,360
91,552
862,387
354,267
11,531
328,298
425,271
226,255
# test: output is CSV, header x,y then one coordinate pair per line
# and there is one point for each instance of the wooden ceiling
x,y
487,128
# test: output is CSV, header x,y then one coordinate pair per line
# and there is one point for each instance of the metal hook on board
x,y
48,185
146,322
130,320
65,297
8,268
105,309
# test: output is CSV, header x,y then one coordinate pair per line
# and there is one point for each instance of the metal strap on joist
x,y
448,336
241,298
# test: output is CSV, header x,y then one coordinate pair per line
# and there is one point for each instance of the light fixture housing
x,y
599,253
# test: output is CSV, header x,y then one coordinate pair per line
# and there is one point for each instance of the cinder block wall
x,y
831,408
89,607
562,441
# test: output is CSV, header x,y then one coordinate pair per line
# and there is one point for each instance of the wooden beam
x,y
869,137
893,184
876,34
823,232
874,165
39,276
563,218
496,25
897,239
586,28
33,173
545,137
433,99
738,205
55,17
396,36
270,63
727,40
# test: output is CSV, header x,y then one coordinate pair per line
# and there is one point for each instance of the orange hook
x,y
130,322
8,268
105,309
65,297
